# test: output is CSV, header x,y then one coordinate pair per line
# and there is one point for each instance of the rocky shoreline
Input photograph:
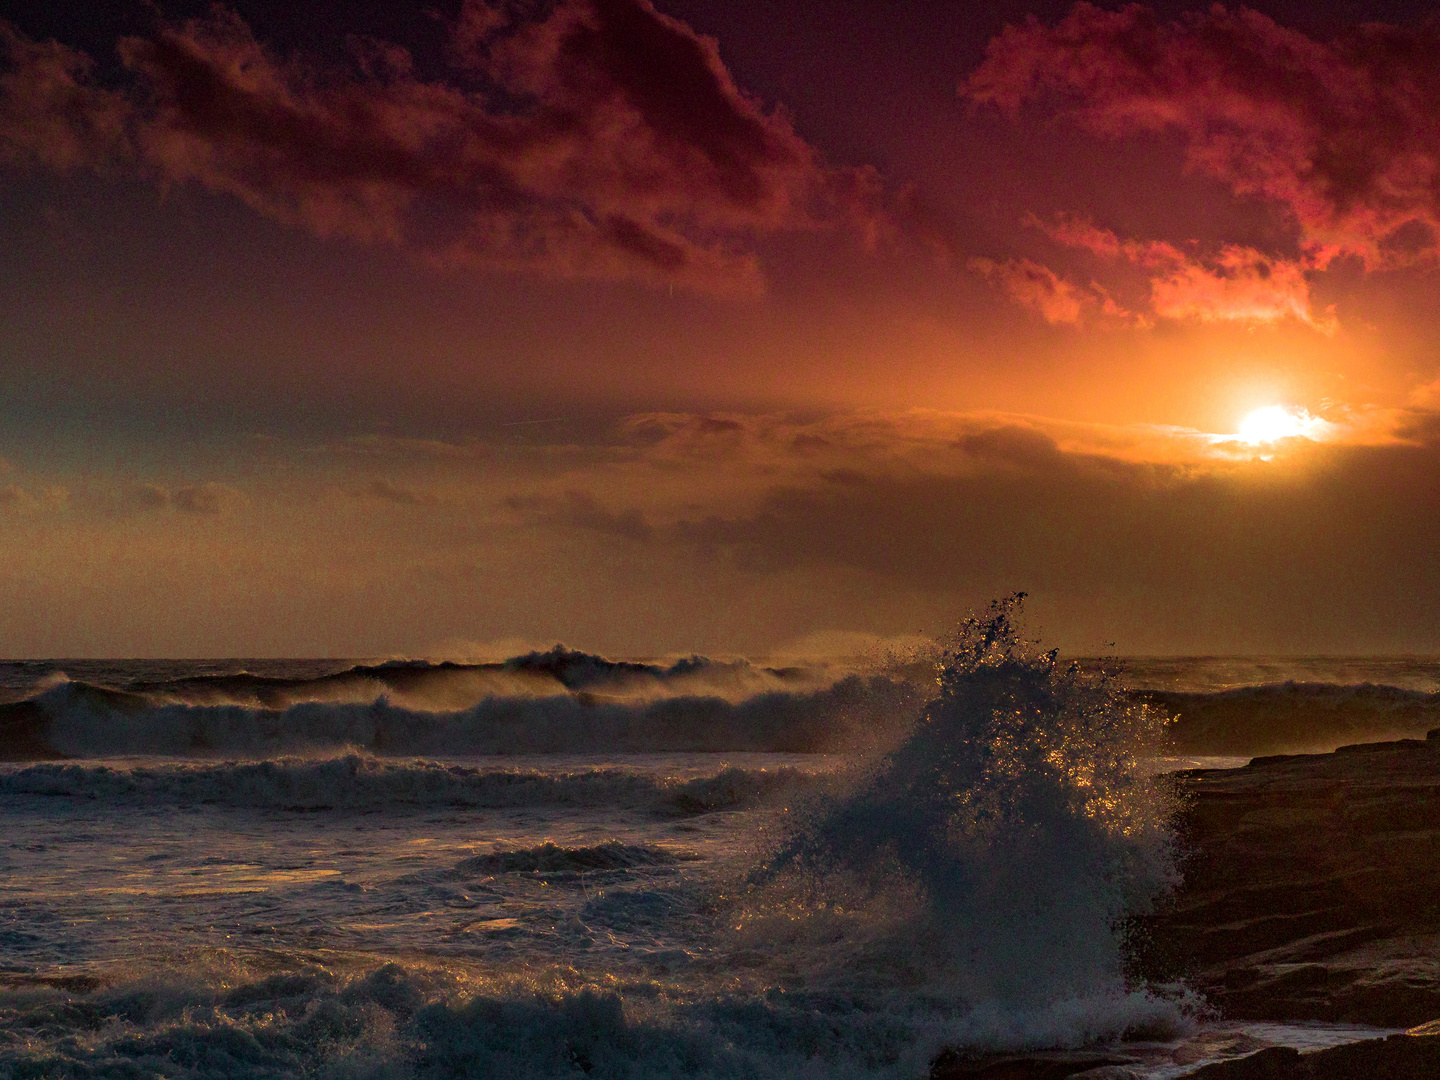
x,y
1311,893
1409,1056
1312,888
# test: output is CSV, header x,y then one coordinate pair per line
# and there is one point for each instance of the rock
x,y
1399,1057
1275,1063
1060,1065
1311,892
1312,888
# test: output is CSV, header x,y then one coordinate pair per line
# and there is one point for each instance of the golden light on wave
x,y
1278,422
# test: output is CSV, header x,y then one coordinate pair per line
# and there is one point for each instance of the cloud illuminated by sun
x,y
1275,422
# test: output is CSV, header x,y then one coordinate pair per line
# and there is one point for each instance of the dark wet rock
x,y
1399,1057
1312,888
1060,1065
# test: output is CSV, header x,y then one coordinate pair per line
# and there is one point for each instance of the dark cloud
x,y
208,498
604,140
1330,548
51,115
15,497
1344,135
385,491
145,497
580,510
1014,445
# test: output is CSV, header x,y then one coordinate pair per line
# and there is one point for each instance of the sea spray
x,y
992,858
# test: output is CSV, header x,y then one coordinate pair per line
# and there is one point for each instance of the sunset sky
x,y
371,329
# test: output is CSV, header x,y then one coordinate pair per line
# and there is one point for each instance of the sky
x,y
459,327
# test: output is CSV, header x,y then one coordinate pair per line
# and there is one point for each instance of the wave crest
x,y
83,721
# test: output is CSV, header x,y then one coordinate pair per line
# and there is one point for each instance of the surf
x,y
964,876
995,856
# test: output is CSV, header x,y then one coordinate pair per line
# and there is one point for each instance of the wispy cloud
x,y
582,510
1035,287
207,498
408,446
16,497
1231,284
399,495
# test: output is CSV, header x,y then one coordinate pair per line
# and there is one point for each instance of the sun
x,y
1270,423
1278,422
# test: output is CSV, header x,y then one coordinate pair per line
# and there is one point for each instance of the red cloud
x,y
1036,287
614,143
1234,284
1344,134
1237,285
49,115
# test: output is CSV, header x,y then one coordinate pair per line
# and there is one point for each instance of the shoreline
x,y
1311,895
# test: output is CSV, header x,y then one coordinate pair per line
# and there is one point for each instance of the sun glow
x,y
1278,422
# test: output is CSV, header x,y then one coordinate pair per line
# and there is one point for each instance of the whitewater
x,y
562,865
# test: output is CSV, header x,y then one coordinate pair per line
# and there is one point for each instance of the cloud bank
x,y
735,532
600,139
1306,546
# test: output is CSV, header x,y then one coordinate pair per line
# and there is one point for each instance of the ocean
x,y
567,865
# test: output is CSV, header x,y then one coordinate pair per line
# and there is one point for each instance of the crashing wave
x,y
996,854
542,703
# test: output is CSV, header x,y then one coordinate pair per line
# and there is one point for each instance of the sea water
x,y
565,866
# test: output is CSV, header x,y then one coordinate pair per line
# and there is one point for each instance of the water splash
x,y
993,857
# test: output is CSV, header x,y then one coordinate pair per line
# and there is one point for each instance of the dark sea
x,y
564,865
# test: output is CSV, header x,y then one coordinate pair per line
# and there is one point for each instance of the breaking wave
x,y
361,782
558,702
966,883
566,701
995,856
410,1021
423,684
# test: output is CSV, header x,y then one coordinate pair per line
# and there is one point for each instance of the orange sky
x,y
703,327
